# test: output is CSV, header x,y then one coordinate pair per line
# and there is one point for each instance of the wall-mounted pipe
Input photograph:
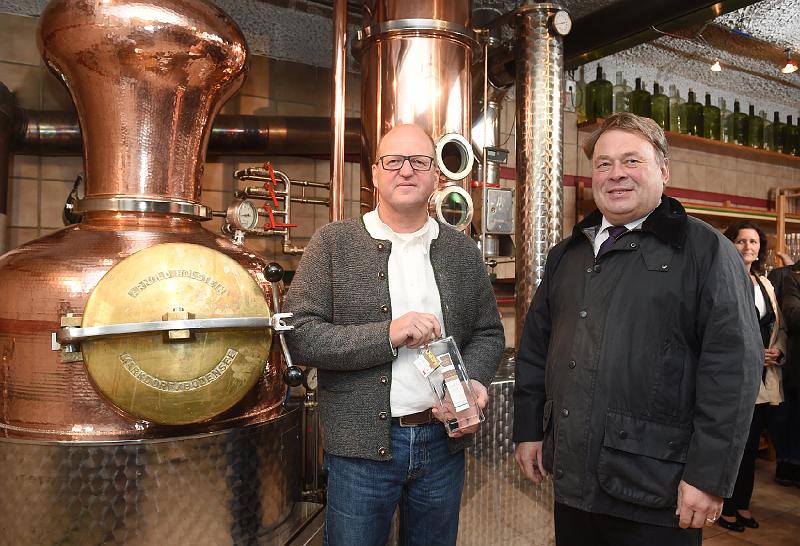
x,y
6,126
337,113
58,134
539,91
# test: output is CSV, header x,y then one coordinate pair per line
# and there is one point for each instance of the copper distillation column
x,y
141,398
416,57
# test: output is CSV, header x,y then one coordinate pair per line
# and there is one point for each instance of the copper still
x,y
141,391
416,60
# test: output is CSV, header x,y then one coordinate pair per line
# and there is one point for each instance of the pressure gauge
x,y
242,215
310,379
561,22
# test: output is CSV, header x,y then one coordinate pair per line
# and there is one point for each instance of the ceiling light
x,y
791,64
716,67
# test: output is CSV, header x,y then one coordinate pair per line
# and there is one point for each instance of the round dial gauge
x,y
310,379
562,22
242,215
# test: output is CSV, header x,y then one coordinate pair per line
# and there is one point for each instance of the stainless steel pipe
x,y
58,134
539,91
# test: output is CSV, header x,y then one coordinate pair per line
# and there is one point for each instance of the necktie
x,y
614,232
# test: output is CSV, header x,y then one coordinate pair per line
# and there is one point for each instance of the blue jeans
x,y
422,477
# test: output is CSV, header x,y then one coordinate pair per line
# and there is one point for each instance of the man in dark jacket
x,y
785,421
639,362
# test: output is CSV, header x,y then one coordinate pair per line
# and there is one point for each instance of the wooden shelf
x,y
691,142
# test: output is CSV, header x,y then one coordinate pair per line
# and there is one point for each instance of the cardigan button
x,y
383,416
597,268
583,314
572,364
634,245
381,246
381,275
382,451
664,267
385,308
565,412
384,380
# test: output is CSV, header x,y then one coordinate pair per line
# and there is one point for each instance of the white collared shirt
x,y
602,231
412,287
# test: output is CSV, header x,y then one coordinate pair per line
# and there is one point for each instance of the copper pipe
x,y
160,154
539,90
338,114
51,133
6,125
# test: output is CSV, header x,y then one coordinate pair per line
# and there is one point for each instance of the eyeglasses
x,y
395,162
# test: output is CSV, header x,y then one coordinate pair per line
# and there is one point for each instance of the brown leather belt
x,y
415,419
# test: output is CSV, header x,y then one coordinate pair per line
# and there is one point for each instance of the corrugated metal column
x,y
539,90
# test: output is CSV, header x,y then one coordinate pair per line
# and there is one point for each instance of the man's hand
x,y
771,357
529,460
413,330
481,398
696,508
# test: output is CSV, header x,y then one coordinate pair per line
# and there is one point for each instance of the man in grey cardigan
x,y
368,293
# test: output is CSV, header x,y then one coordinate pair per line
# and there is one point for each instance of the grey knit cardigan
x,y
342,311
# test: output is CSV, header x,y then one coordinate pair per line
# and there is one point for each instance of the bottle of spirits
x,y
725,121
711,120
598,97
694,116
640,100
580,97
755,129
659,107
676,111
621,92
739,125
777,133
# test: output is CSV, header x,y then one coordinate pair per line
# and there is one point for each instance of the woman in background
x,y
751,243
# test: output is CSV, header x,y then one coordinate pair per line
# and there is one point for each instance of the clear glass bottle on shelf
x,y
694,116
739,125
621,91
580,97
676,111
659,107
755,129
711,120
640,100
599,97
725,119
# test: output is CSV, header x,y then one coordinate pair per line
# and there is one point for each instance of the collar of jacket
x,y
667,222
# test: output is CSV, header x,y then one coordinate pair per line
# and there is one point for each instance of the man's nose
x,y
405,168
617,170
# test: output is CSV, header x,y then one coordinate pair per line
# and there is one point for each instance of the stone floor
x,y
776,508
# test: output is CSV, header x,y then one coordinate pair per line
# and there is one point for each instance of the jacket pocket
x,y
642,461
547,441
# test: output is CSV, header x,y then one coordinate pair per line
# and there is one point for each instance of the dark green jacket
x,y
342,312
641,368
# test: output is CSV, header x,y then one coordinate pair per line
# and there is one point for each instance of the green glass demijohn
x,y
711,120
659,107
640,100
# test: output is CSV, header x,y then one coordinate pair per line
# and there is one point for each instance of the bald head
x,y
406,136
